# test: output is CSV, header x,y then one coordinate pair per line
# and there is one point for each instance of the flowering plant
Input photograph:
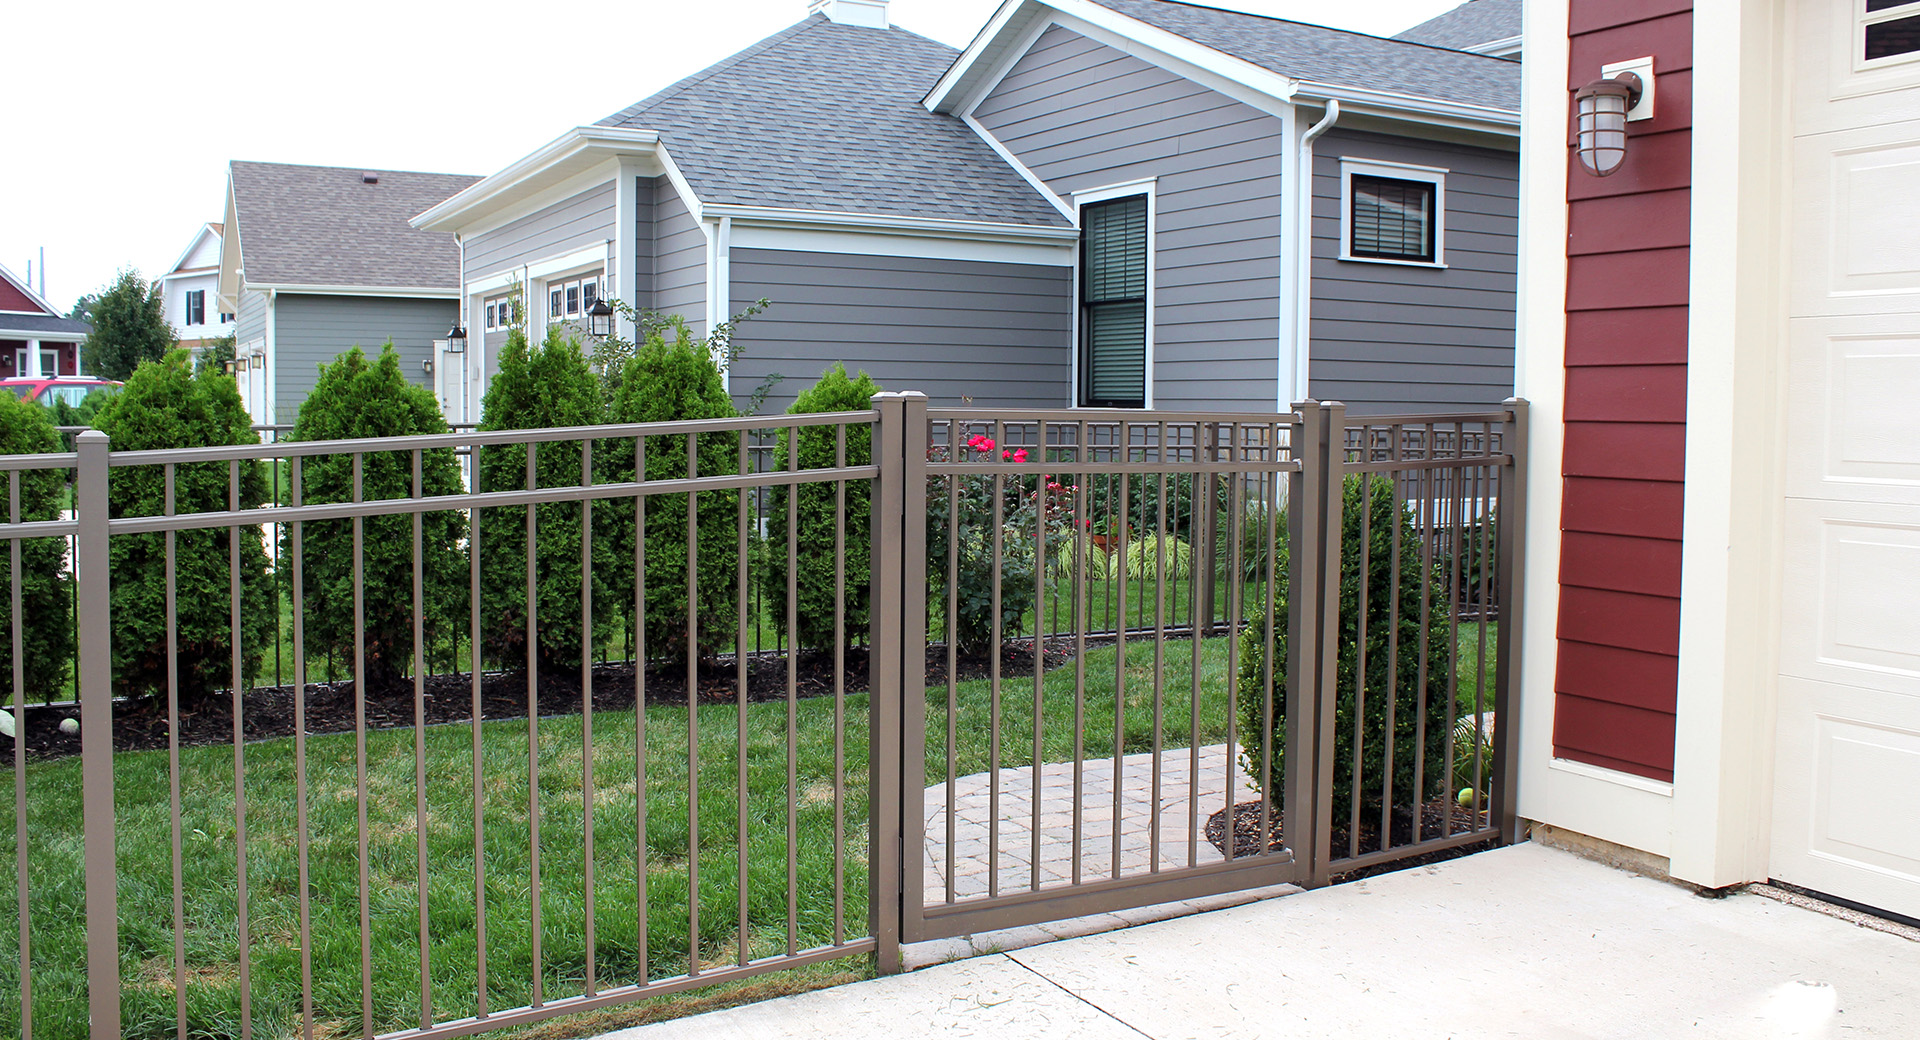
x,y
984,516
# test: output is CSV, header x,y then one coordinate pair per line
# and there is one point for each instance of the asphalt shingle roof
x,y
321,225
827,117
1472,23
39,323
1336,56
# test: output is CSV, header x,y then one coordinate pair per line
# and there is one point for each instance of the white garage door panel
x,y
1854,390
1853,595
1857,219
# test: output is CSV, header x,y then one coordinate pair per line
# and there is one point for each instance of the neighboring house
x,y
1097,203
1481,26
191,290
35,340
1722,620
317,259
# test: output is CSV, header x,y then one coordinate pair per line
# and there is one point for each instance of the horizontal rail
x,y
1437,420
987,469
50,460
40,529
480,500
1067,417
1450,462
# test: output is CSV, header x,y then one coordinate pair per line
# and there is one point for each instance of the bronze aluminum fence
x,y
1076,633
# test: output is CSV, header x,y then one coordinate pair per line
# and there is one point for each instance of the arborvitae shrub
x,y
539,388
166,405
816,534
1403,683
46,590
668,381
358,398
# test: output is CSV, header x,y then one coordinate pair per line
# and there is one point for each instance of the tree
x,y
217,353
541,388
165,404
669,380
129,327
46,590
82,309
818,535
357,398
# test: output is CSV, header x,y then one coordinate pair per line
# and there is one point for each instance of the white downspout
x,y
1303,235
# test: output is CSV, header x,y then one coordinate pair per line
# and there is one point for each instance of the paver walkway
x,y
1180,828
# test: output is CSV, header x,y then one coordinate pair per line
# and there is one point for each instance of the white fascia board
x,y
1412,108
1019,167
988,45
576,150
1019,36
17,283
681,186
600,173
43,337
1241,80
858,243
193,246
978,230
444,293
1499,48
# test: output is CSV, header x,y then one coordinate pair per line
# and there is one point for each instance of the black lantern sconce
x,y
600,319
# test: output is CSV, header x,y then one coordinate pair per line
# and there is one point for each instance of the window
x,y
570,299
226,317
500,313
1113,303
489,316
197,307
1392,213
589,292
573,299
1891,30
555,298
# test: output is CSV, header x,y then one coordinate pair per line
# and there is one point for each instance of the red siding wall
x,y
1626,404
12,299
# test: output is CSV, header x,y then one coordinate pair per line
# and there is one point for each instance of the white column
x,y
33,360
626,244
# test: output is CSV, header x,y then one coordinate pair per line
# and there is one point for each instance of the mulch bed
x,y
1248,839
268,711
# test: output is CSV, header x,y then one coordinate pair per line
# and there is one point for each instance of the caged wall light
x,y
1601,111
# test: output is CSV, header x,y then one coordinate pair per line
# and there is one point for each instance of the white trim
x,y
1730,573
529,205
47,337
1503,47
1432,111
580,148
681,186
37,299
206,230
1149,188
271,355
1019,167
1612,776
540,270
1351,165
446,293
720,298
1856,42
1242,81
1008,54
941,97
1298,195
626,245
980,230
863,243
1287,388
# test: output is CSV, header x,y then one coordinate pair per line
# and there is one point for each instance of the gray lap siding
x,y
1082,115
312,330
577,222
996,334
679,259
1394,338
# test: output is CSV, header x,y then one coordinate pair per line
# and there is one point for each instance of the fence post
x,y
96,736
891,667
1511,518
1298,816
1326,669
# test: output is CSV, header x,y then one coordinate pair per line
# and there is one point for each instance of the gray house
x,y
316,259
1132,203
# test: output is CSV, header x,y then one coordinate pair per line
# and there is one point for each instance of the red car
x,y
47,390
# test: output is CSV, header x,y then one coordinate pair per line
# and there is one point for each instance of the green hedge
x,y
46,589
166,405
1404,681
816,536
668,381
538,388
354,398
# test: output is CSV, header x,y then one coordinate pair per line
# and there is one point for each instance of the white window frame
x,y
576,281
502,308
1857,41
1434,175
1148,187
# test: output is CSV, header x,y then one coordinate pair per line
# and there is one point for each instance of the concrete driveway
x,y
1522,942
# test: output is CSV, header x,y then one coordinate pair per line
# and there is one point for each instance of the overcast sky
x,y
125,115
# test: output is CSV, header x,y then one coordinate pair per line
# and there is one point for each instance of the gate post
x,y
96,736
1298,819
1510,560
1326,651
896,666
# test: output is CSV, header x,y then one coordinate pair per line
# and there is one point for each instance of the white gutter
x,y
436,293
1394,104
571,153
933,227
1303,243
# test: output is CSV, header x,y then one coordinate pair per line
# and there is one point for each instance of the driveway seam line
x,y
1078,997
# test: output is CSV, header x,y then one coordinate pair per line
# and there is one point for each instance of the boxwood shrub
x,y
816,534
1403,683
46,590
357,397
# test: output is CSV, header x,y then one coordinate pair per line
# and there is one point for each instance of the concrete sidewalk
x,y
1521,942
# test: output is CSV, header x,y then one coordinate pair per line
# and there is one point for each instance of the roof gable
x,y
327,226
826,117
202,252
17,296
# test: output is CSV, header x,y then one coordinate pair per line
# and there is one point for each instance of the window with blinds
x,y
1113,303
1391,219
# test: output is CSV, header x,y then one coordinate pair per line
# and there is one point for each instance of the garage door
x,y
1847,771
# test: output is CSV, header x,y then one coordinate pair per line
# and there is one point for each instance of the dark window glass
x,y
1899,36
573,299
1888,5
1113,303
490,315
197,307
1392,219
554,300
589,293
